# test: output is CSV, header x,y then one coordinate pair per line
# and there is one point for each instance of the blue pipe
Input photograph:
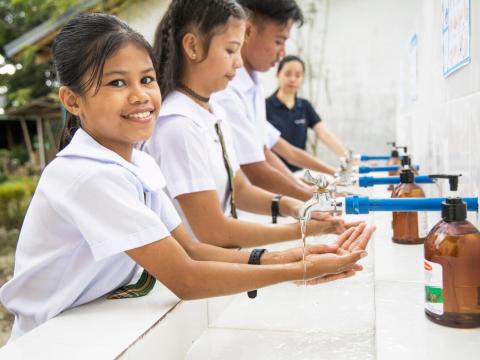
x,y
363,205
368,181
367,169
368,157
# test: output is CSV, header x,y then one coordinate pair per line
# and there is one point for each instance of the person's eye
x,y
117,83
147,80
230,51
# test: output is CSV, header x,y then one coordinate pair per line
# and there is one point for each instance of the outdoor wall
x,y
145,15
354,49
443,124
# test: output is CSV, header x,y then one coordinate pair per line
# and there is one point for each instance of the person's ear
x,y
192,47
69,100
249,30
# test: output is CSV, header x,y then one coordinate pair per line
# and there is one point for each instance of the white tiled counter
x,y
378,314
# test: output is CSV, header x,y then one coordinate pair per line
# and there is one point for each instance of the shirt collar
x,y
243,81
277,103
177,103
143,166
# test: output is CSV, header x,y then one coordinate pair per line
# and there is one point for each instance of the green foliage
x,y
16,18
19,153
15,196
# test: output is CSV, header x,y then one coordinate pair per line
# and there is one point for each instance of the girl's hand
x,y
354,239
323,223
321,261
296,254
329,264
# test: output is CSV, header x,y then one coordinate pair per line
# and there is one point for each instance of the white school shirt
x,y
90,206
244,103
186,146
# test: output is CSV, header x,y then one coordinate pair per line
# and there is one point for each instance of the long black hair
x,y
81,48
182,16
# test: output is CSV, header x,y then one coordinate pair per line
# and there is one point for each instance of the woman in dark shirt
x,y
292,115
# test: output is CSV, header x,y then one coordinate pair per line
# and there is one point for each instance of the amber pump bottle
x,y
395,158
452,266
405,163
408,227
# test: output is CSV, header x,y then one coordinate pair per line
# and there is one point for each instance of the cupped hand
x,y
323,223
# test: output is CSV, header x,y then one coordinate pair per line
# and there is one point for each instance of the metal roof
x,y
43,30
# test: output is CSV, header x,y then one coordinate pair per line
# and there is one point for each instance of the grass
x,y
8,242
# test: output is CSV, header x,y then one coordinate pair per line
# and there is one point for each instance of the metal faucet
x,y
346,176
322,200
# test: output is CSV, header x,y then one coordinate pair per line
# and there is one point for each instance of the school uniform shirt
x,y
244,104
186,146
292,123
90,207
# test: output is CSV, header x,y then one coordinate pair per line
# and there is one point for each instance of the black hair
x,y
278,10
83,46
182,16
287,59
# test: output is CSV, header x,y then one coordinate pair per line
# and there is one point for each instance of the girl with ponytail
x,y
197,46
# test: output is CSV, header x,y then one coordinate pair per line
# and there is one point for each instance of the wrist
x,y
270,258
275,208
290,207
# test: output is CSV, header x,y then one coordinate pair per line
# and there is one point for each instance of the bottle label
x,y
422,224
433,287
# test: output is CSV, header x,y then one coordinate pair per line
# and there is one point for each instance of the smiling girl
x,y
99,213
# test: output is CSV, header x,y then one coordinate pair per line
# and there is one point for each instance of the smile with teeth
x,y
139,116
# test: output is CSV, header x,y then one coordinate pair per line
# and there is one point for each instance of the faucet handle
x,y
319,181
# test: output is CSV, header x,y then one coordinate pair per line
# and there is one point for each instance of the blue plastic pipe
x,y
368,181
363,204
368,169
368,157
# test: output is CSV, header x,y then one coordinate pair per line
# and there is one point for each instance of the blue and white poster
x,y
456,35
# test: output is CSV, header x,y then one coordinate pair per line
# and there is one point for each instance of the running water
x,y
303,229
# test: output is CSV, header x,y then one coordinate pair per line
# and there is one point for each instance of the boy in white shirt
x,y
267,30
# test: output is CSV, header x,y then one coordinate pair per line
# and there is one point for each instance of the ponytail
x,y
72,124
182,16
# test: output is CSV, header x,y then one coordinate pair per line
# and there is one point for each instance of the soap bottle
x,y
405,163
395,159
408,227
452,266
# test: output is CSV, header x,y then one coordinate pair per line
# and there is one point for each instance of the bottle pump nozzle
x,y
453,208
406,161
452,180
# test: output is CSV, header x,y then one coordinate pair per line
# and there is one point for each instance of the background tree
x,y
30,78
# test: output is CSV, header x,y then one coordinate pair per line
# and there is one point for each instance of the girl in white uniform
x,y
99,212
199,55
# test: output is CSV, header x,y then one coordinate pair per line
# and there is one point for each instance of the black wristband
x,y
254,259
275,208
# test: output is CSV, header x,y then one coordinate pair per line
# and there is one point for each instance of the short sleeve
x,y
180,151
163,206
108,209
248,145
272,135
311,115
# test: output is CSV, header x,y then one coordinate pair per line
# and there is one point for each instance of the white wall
x,y
442,125
355,52
144,16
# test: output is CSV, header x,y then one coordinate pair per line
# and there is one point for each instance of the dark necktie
x,y
228,167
